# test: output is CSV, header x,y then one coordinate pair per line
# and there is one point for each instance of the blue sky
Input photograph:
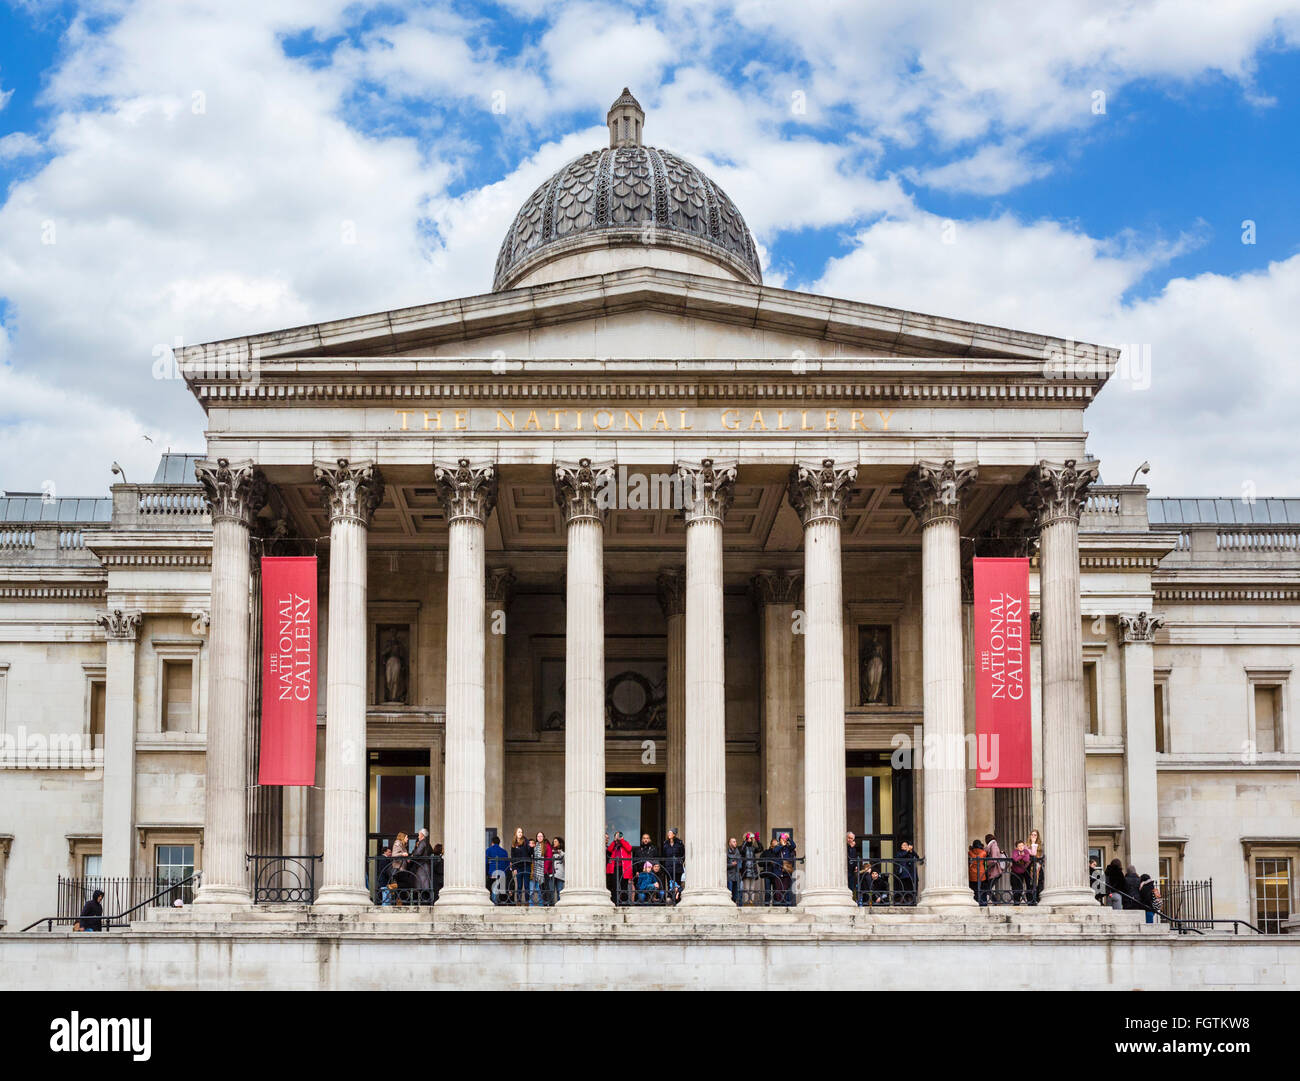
x,y
183,171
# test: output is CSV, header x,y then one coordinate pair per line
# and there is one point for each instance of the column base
x,y
828,899
708,897
349,897
575,897
226,896
947,898
1068,897
470,900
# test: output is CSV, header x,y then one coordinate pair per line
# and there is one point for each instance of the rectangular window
x,y
1272,893
1160,718
92,866
178,711
173,864
97,708
1268,715
1090,696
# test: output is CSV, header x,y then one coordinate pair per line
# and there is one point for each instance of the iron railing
x,y
283,880
1006,880
895,881
166,895
404,881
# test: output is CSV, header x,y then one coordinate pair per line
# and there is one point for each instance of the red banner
x,y
1003,727
289,617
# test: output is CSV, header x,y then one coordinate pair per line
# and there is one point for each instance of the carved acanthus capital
x,y
1053,492
707,489
933,490
500,586
235,491
468,489
818,493
352,490
584,490
118,623
672,590
776,587
1141,627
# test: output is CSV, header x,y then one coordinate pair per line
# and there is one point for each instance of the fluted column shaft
x,y
465,725
777,592
499,582
352,492
818,495
1055,493
1141,796
584,688
708,493
234,494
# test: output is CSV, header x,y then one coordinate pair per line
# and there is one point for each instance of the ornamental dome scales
x,y
626,205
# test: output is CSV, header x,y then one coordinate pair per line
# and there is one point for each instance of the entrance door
x,y
878,799
634,804
399,796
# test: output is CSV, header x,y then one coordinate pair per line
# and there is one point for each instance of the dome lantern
x,y
625,119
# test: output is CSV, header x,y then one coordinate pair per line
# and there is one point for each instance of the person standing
x,y
906,864
751,870
620,867
993,865
557,857
854,866
1115,884
786,856
543,868
1020,864
521,854
498,870
647,851
674,863
733,870
1149,896
422,865
977,870
1132,884
1038,866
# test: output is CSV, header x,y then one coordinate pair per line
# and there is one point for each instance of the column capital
x,y
468,490
1055,491
582,489
235,491
120,624
707,489
817,493
500,585
933,490
776,587
352,490
671,584
1141,627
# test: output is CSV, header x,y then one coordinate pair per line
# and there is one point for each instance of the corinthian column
x,y
1137,677
1054,494
352,491
582,491
818,495
119,741
933,492
706,494
235,493
672,599
469,492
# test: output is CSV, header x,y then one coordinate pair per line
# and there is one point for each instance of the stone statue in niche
x,y
393,677
875,663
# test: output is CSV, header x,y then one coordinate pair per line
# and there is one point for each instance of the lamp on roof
x,y
119,471
1145,467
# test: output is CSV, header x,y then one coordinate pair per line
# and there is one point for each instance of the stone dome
x,y
627,196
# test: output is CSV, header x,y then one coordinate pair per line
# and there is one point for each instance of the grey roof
x,y
1169,511
177,469
35,508
633,194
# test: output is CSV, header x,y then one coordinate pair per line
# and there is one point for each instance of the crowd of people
x,y
1014,878
1125,889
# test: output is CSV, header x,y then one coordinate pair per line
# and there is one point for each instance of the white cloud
x,y
1214,409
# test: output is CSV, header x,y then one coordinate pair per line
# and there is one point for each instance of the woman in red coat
x,y
619,865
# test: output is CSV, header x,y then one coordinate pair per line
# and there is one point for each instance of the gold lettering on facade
x,y
403,413
506,415
437,420
884,420
628,420
757,422
682,425
462,419
732,426
595,420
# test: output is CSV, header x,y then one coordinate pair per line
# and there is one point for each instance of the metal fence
x,y
1006,880
283,880
120,895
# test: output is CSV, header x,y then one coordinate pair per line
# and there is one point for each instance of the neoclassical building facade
x,y
636,541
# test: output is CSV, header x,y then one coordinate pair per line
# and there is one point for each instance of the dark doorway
x,y
634,803
878,800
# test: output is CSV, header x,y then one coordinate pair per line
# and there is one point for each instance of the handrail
x,y
1193,923
108,920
